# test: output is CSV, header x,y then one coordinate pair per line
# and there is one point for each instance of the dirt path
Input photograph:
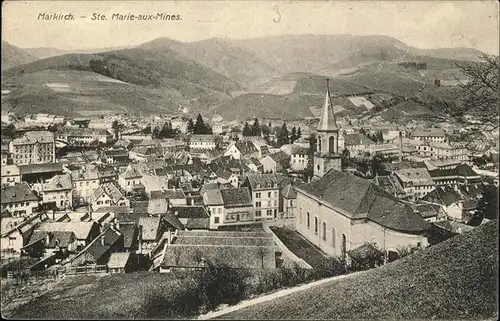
x,y
272,296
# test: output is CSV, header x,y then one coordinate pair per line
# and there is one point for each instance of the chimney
x,y
117,224
169,236
176,213
102,240
400,147
47,239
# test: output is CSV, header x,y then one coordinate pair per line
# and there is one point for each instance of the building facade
x,y
34,147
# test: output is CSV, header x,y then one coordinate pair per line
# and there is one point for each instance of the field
x,y
456,279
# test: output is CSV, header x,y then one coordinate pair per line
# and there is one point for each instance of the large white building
x,y
34,147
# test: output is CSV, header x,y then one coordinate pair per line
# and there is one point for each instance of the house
x,y
115,156
191,217
430,212
340,212
391,184
84,232
430,135
277,162
194,250
203,141
172,145
226,177
145,153
443,150
34,147
11,174
462,174
129,179
57,191
452,202
299,158
229,206
242,149
84,136
18,199
16,233
108,194
123,144
150,231
6,157
35,173
416,182
98,251
107,174
357,143
175,197
288,201
120,262
85,181
254,165
443,163
265,189
154,183
58,243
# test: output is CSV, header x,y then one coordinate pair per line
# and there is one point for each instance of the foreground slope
x,y
456,279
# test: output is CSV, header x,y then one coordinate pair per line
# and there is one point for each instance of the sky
x,y
422,24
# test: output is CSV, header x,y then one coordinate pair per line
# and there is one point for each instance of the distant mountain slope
x,y
13,56
45,52
220,55
456,279
155,78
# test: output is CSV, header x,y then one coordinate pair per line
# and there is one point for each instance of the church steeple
x,y
328,121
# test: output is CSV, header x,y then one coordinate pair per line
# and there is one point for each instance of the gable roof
x,y
213,197
357,139
150,227
17,193
80,229
246,147
288,192
109,189
264,181
131,173
129,231
443,195
118,260
417,176
358,198
236,196
58,183
279,157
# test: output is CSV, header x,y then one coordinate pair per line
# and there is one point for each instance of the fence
x,y
286,252
93,269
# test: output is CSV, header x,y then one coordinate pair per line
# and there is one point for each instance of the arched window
x,y
308,218
333,237
331,147
315,225
324,231
319,143
344,246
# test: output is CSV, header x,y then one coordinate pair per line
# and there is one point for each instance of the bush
x,y
328,268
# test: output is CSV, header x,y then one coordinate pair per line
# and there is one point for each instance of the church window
x,y
333,237
319,144
324,231
344,246
315,225
308,220
331,148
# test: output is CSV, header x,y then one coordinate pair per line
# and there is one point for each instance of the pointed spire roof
x,y
328,121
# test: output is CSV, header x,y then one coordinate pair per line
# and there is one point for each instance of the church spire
x,y
327,121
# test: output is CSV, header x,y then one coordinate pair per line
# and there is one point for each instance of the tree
x,y
265,130
487,206
299,133
190,126
256,129
480,94
199,127
283,137
247,131
156,133
8,130
312,144
293,136
117,128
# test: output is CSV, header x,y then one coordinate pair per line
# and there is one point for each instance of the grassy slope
x,y
108,297
456,279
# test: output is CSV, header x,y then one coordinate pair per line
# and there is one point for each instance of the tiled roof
x,y
129,231
418,176
173,220
279,157
174,194
72,131
443,195
297,150
359,198
357,139
58,183
263,181
213,197
40,168
189,212
131,173
17,193
234,257
289,192
80,229
236,196
32,137
246,147
116,152
87,174
462,170
389,183
109,189
150,227
56,238
118,260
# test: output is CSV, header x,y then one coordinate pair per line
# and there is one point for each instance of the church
x,y
339,212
